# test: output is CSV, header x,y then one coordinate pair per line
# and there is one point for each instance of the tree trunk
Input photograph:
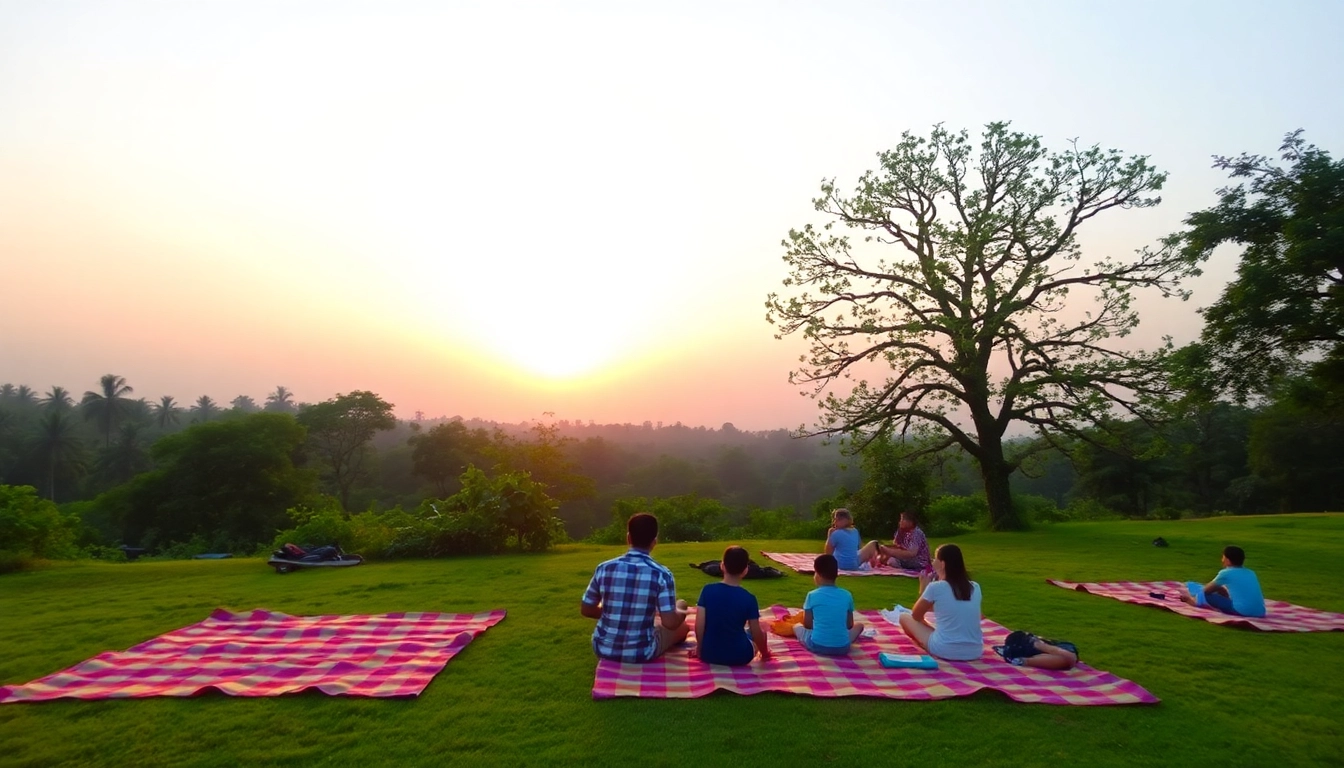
x,y
995,471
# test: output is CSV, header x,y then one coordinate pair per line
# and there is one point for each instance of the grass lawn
x,y
520,693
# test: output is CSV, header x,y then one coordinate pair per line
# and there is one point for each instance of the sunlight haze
x,y
499,210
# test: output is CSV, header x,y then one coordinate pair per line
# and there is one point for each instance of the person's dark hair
x,y
643,529
912,516
735,561
954,571
826,566
1235,555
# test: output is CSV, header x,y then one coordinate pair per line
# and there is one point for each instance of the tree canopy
x,y
952,307
1287,301
339,431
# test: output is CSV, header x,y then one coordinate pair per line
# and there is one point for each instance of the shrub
x,y
951,515
1039,509
1090,509
32,527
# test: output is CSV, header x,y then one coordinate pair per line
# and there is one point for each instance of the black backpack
x,y
754,571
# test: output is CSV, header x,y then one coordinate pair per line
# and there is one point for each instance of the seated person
x,y
909,549
828,627
955,601
634,600
1235,589
842,541
721,612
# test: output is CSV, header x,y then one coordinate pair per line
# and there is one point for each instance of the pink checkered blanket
x,y
1279,616
793,669
802,563
261,653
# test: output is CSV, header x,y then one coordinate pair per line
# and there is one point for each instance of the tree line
x,y
941,356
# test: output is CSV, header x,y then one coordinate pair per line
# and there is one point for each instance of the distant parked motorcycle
x,y
292,557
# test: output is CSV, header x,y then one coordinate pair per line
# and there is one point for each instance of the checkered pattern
x,y
794,670
266,654
628,588
802,563
1279,616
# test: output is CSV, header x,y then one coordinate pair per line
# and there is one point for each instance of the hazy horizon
x,y
499,211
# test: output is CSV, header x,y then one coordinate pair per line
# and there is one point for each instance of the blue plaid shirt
x,y
629,588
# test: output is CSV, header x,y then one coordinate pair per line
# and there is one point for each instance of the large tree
x,y
108,405
339,431
968,306
1287,301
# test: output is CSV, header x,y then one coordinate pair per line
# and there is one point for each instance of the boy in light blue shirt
x,y
828,627
1235,589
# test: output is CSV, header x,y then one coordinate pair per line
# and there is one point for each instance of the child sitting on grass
x,y
723,609
828,626
1235,589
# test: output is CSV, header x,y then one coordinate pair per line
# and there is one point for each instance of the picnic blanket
x,y
802,563
793,669
261,653
1279,616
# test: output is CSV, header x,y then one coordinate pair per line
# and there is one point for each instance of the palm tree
x,y
166,411
204,408
58,447
125,459
108,406
244,404
58,400
6,391
25,395
280,401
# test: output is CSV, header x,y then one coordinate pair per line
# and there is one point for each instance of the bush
x,y
680,518
1090,509
1038,509
951,515
32,527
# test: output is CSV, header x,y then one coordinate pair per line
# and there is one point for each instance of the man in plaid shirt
x,y
634,600
909,549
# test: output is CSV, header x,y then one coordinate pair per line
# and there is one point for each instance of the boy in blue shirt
x,y
828,626
1235,589
721,612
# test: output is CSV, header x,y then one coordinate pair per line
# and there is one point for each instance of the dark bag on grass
x,y
754,571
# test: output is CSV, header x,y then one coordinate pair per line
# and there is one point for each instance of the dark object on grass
x,y
212,556
1022,645
132,552
1160,542
292,557
754,571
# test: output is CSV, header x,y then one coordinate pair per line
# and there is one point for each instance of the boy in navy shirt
x,y
722,611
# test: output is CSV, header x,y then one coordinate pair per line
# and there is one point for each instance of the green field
x,y
520,693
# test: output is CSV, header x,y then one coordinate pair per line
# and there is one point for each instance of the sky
x,y
506,209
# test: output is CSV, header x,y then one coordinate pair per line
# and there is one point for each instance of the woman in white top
x,y
955,601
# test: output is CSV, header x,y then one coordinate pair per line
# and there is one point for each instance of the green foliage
x,y
1089,509
893,482
1285,303
339,431
1038,509
484,517
680,518
953,515
228,482
442,454
32,527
